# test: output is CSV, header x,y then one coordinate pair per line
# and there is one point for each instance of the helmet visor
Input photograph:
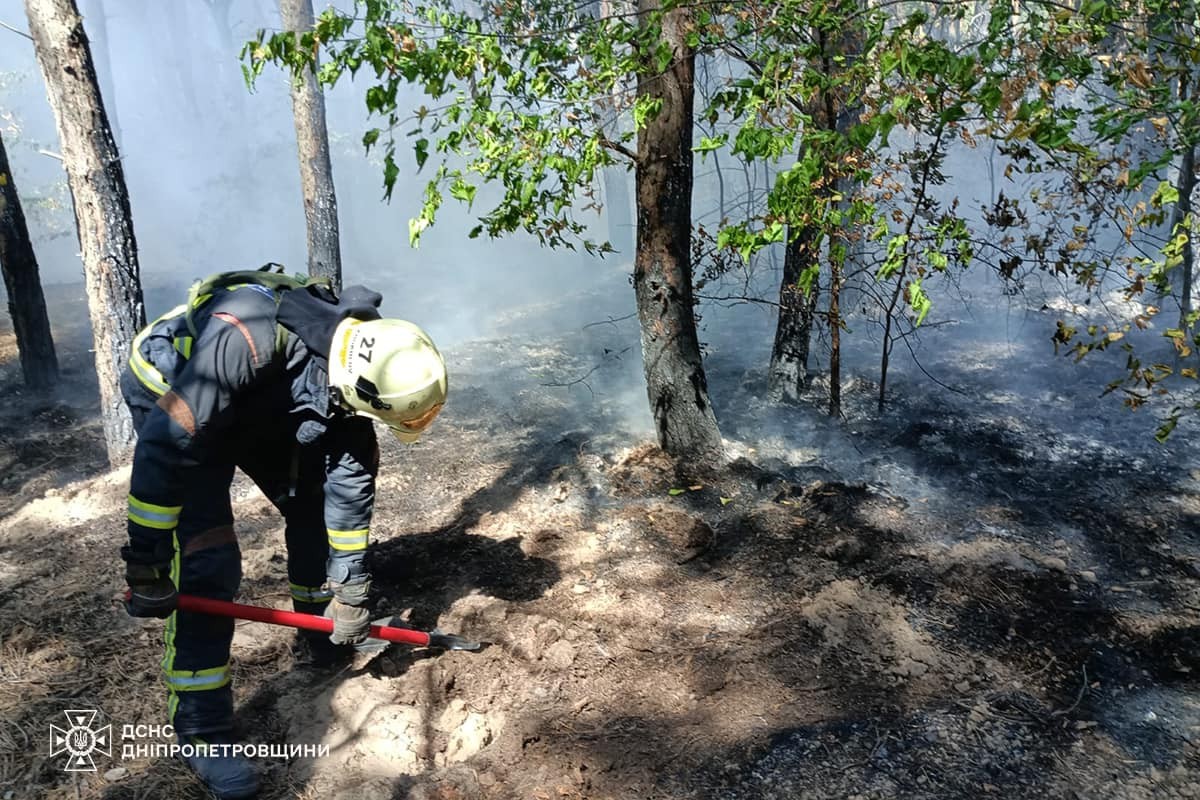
x,y
409,430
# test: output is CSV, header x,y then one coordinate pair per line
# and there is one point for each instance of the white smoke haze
x,y
213,184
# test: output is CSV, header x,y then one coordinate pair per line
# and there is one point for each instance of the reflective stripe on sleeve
x,y
142,369
148,515
348,540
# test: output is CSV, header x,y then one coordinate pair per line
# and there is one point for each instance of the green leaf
x,y
1165,194
421,151
708,143
919,301
463,191
675,492
416,227
390,173
646,108
1167,427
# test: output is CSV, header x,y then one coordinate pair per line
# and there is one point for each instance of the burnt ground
x,y
952,599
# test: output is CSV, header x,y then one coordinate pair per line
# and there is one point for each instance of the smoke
x,y
213,183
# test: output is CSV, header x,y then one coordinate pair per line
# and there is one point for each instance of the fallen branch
x,y
610,321
608,354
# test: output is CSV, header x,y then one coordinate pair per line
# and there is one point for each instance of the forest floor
x,y
988,604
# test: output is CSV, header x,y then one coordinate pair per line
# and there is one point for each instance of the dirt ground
x,y
995,607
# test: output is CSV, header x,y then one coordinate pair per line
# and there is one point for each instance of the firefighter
x,y
284,380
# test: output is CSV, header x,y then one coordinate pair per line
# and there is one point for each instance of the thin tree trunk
x,y
662,279
316,170
889,317
1183,210
793,333
26,303
102,215
835,333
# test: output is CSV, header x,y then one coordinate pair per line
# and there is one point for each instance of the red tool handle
x,y
293,619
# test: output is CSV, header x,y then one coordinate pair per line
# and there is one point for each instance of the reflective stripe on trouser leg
x,y
349,540
306,547
208,564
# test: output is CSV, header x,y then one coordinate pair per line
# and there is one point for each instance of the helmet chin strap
x,y
338,400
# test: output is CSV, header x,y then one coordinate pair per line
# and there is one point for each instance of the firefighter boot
x,y
204,720
211,757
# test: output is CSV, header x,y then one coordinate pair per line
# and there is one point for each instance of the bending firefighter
x,y
283,379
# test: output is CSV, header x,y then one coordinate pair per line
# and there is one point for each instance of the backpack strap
x,y
270,275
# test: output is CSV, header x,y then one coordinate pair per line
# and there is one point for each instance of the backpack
x,y
269,276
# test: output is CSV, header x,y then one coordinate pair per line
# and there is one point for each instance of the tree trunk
x,y
98,23
102,215
662,277
316,171
1183,213
793,334
835,333
26,303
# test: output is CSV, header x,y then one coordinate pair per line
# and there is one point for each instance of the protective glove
x,y
152,593
349,612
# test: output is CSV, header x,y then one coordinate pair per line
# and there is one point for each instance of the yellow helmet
x,y
390,371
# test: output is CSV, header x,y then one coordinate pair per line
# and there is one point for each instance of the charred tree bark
x,y
662,278
316,170
1183,210
102,215
793,334
26,303
94,13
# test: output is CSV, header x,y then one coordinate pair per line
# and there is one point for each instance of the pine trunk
x,y
316,170
26,303
102,215
98,24
662,277
793,333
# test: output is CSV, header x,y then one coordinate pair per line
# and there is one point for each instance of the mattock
x,y
295,619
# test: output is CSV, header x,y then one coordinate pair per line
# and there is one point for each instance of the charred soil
x,y
771,628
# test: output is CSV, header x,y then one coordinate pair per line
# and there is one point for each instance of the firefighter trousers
x,y
207,562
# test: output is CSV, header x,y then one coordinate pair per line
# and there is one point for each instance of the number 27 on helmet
x,y
388,370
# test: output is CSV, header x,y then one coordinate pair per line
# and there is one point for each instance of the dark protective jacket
x,y
253,376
